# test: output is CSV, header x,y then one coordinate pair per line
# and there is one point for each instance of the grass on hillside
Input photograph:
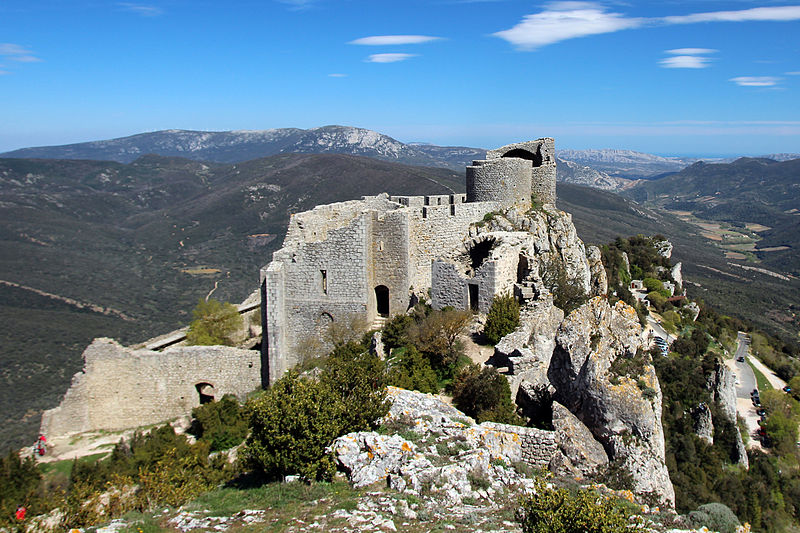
x,y
761,380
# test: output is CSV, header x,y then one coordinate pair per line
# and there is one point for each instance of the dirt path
x,y
773,379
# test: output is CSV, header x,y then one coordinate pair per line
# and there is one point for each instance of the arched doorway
x,y
382,300
206,392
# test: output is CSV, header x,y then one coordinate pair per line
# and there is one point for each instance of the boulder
x,y
581,453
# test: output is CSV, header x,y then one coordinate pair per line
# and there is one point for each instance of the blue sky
x,y
670,77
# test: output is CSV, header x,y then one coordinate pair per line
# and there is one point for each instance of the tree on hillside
x,y
214,323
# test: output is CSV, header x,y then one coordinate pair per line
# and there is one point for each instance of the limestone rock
x,y
526,352
599,279
724,392
676,275
583,454
614,408
376,346
703,423
368,457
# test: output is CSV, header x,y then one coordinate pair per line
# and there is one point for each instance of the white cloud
x,y
388,58
782,13
380,40
15,52
756,81
140,9
691,51
793,73
562,21
685,62
567,20
337,75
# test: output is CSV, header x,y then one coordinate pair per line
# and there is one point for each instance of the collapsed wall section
x,y
120,387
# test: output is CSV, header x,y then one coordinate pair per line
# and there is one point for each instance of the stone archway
x,y
382,300
206,392
535,158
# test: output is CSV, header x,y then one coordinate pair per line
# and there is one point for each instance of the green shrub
x,y
484,394
222,424
553,510
297,418
292,423
395,332
411,370
19,485
214,323
716,517
502,319
436,336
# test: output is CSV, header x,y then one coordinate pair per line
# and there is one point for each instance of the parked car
x,y
761,412
787,388
754,392
740,359
762,432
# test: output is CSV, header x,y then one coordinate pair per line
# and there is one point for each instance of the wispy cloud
x,y
687,58
381,40
565,20
691,51
337,75
756,81
793,73
388,58
561,21
15,52
782,13
141,9
685,62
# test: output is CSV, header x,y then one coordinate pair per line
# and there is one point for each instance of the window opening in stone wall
x,y
474,293
480,252
536,158
324,274
382,300
452,209
380,246
439,201
206,392
427,201
424,212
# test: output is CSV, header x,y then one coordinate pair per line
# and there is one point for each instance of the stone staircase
x,y
524,291
379,322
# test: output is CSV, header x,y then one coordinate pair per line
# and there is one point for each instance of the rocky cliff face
x,y
595,372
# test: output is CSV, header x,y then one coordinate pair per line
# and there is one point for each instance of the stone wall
x,y
120,387
388,263
541,153
538,445
506,181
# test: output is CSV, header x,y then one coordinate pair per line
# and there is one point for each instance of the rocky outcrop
x,y
677,276
449,454
526,352
599,279
623,411
723,389
703,423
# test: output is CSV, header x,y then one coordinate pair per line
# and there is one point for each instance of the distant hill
x,y
626,163
748,190
239,146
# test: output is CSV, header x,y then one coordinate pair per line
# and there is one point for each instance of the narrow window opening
x,y
324,281
424,212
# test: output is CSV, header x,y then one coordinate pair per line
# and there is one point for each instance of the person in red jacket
x,y
41,445
20,514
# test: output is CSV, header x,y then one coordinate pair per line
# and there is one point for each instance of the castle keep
x,y
375,256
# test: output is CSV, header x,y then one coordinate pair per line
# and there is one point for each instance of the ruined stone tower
x,y
512,174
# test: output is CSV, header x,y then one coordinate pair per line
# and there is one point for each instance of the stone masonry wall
x,y
538,445
542,153
434,231
388,263
120,387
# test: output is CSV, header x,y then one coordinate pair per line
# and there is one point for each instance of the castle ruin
x,y
376,256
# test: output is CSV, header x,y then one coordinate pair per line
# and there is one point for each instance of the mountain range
x,y
238,146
